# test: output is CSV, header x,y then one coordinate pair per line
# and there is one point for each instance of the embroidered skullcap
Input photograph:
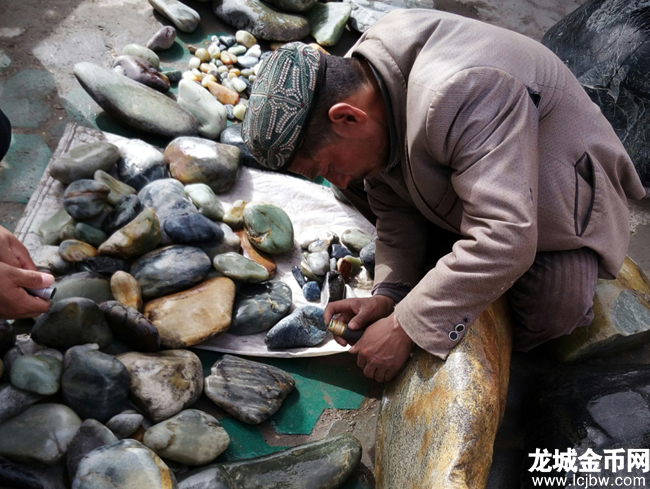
x,y
279,105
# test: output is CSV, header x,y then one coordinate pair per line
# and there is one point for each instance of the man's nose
x,y
341,181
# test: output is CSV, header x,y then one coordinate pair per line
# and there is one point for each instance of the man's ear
x,y
347,120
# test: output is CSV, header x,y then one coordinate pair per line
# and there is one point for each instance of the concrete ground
x,y
41,41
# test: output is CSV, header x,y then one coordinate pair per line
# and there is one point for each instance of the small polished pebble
x,y
297,274
38,374
126,290
318,245
237,49
234,217
140,236
224,94
354,262
247,61
174,76
246,72
125,423
344,267
227,40
88,234
194,63
191,48
203,55
239,111
311,291
75,251
162,39
306,270
255,51
214,51
228,58
203,197
141,71
245,38
355,240
319,262
50,230
230,111
230,242
237,267
268,227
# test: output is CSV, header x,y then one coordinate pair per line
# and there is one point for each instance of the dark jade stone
x,y
232,135
333,287
94,384
141,163
367,256
122,214
91,434
103,265
130,327
339,251
192,228
171,269
304,327
311,291
258,307
606,44
85,199
70,322
297,274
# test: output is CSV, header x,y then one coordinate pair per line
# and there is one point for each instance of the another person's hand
x,y
13,252
383,349
357,313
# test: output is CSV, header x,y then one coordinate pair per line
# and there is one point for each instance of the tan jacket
x,y
500,144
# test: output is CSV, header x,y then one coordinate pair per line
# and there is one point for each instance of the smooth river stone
x,y
183,17
196,160
88,234
127,464
238,267
235,215
137,51
125,289
141,163
140,70
38,374
304,327
268,227
134,104
70,322
193,316
47,258
119,190
131,327
333,288
250,391
261,21
339,251
167,197
75,251
94,384
104,265
366,13
367,255
24,345
327,21
439,418
14,401
191,227
230,242
122,214
311,291
356,240
169,270
50,230
125,424
323,464
256,255
96,221
82,161
232,135
191,437
209,112
258,307
39,434
90,285
319,262
91,434
205,200
162,39
294,6
84,199
136,238
15,476
164,383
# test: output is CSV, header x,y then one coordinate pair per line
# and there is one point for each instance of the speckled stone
x,y
84,199
142,71
196,160
237,267
127,462
39,434
169,270
258,307
304,327
94,384
91,434
82,161
205,200
38,374
191,437
141,163
125,289
193,316
130,326
162,39
90,285
127,210
70,322
268,227
311,291
125,424
250,391
136,238
151,388
184,18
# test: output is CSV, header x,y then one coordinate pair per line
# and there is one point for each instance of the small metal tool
x,y
47,293
339,328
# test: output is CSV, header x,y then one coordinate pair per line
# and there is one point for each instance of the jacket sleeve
x,y
483,123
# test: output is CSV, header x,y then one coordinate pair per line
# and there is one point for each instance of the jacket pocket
x,y
585,193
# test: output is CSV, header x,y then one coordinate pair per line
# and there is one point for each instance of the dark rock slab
x,y
192,228
141,163
134,104
13,475
258,307
250,391
91,434
130,327
304,327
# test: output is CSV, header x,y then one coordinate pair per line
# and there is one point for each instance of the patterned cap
x,y
280,102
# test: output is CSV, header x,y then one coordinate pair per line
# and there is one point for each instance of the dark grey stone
x,y
14,401
232,135
297,274
258,307
304,327
122,214
103,265
7,337
130,327
140,70
367,256
92,434
141,163
333,287
84,199
13,475
188,228
311,291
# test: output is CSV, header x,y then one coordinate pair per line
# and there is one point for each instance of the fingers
x,y
347,308
22,255
29,279
340,340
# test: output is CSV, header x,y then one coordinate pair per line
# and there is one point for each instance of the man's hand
x,y
15,302
383,349
13,252
358,313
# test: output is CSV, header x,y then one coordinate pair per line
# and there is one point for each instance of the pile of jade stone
x,y
149,263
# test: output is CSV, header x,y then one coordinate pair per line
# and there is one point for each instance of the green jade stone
x,y
328,21
82,161
50,230
205,200
40,374
237,267
88,234
84,284
119,190
268,228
